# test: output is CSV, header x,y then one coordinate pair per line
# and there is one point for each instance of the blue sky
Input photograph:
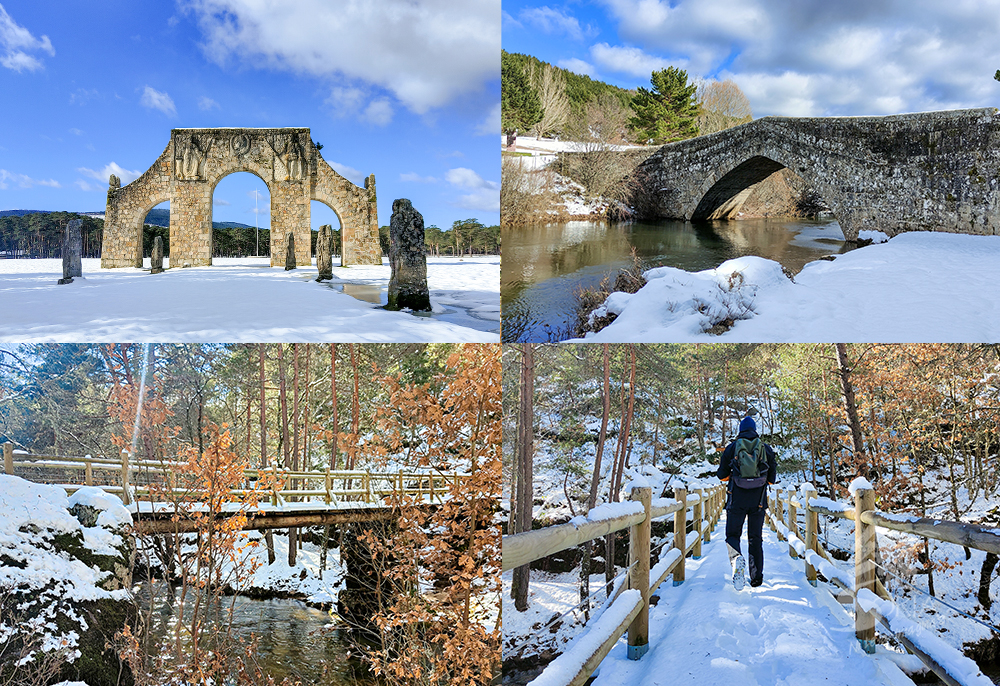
x,y
406,90
790,57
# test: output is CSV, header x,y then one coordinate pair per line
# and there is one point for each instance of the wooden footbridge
x,y
791,512
153,491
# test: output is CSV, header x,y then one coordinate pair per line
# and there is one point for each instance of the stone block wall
x,y
932,171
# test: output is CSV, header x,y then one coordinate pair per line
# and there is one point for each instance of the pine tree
x,y
520,106
666,113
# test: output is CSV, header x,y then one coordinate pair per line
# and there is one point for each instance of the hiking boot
x,y
756,581
739,572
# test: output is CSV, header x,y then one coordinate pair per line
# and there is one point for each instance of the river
x,y
545,266
293,639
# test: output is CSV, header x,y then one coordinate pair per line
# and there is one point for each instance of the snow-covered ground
x,y
244,299
705,632
917,287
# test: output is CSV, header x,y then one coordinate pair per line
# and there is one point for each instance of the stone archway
x,y
194,162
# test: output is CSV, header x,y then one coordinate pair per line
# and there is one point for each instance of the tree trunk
x,y
284,438
268,538
333,404
525,479
985,578
851,407
595,479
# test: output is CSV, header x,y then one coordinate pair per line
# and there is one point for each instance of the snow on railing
x,y
946,661
574,666
959,668
587,650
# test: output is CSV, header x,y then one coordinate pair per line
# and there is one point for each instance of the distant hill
x,y
162,218
580,89
20,213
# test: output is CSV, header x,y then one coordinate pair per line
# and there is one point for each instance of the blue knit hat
x,y
747,424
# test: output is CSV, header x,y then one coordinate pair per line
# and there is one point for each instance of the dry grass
x,y
525,196
629,279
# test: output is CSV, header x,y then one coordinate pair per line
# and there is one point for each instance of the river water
x,y
545,266
293,639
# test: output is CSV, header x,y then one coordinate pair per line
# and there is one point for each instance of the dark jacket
x,y
741,497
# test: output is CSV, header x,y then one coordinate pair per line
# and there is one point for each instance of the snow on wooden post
x,y
696,549
638,554
864,555
680,532
793,525
125,496
8,458
812,519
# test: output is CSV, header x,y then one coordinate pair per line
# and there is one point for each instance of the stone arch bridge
x,y
931,171
194,162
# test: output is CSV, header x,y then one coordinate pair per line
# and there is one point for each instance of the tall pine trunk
x,y
525,480
268,536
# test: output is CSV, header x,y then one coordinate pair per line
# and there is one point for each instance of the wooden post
x,y
864,570
779,512
710,513
126,498
812,519
89,473
793,525
680,532
696,549
638,553
432,487
8,458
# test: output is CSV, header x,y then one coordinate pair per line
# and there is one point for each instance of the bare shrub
x,y
722,105
525,196
629,279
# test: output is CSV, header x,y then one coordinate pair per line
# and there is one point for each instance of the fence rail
x,y
867,588
161,479
632,613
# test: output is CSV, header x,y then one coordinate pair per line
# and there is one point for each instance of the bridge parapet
x,y
930,171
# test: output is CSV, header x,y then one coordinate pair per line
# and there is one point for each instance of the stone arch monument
x,y
196,160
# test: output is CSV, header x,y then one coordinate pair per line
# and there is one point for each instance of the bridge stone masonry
x,y
193,163
931,171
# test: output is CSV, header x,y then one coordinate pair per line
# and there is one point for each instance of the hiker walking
x,y
748,465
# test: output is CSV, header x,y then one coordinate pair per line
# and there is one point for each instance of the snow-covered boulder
x,y
64,587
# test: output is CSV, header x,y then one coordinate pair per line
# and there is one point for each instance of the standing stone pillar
x,y
324,253
156,261
72,251
408,284
290,251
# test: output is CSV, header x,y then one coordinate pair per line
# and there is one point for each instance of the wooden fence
x,y
160,479
785,505
706,505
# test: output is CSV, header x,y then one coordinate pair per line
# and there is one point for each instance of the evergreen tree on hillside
x,y
997,75
666,113
520,106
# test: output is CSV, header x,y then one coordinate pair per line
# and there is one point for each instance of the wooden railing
x,y
630,604
783,518
161,479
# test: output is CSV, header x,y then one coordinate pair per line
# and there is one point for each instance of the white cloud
x,y
850,57
85,186
104,174
350,173
258,195
24,181
555,21
425,53
577,66
15,40
491,124
206,103
413,177
485,195
219,202
379,112
631,61
156,100
76,132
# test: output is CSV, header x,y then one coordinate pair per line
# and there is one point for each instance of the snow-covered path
x,y
785,632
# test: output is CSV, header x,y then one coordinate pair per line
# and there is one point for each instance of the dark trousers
x,y
754,515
